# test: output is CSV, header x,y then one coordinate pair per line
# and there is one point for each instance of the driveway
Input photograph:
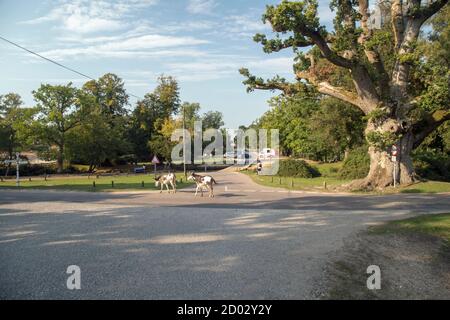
x,y
248,242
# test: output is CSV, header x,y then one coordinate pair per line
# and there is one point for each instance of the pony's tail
x,y
214,181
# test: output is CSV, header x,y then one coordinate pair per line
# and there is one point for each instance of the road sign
x,y
155,160
394,150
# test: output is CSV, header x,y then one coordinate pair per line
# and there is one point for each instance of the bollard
x,y
93,184
292,183
112,184
325,185
142,184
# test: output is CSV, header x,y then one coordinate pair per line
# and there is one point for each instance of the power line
x,y
54,62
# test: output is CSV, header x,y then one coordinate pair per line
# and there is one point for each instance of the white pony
x,y
165,180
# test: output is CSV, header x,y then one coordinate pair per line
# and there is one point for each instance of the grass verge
x,y
413,255
83,183
437,225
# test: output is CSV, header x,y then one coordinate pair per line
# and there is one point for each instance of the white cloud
x,y
324,12
133,47
84,16
201,6
213,67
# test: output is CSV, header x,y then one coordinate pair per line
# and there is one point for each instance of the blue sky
x,y
202,43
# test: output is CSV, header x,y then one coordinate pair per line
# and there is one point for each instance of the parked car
x,y
229,155
267,153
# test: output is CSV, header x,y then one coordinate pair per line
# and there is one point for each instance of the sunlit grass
x,y
83,183
314,184
437,225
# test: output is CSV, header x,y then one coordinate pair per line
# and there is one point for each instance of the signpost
x,y
155,161
394,160
18,162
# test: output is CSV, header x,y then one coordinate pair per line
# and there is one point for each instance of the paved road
x,y
249,242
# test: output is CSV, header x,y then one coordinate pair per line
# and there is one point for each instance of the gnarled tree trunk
x,y
382,168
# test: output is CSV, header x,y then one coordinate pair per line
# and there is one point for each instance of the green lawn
x,y
83,183
329,172
437,225
315,184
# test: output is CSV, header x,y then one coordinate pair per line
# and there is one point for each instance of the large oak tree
x,y
402,90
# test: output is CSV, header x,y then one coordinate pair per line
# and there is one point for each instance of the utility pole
x,y
184,144
17,169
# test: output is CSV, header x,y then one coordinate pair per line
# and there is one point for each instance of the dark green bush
x,y
35,170
297,168
432,165
357,164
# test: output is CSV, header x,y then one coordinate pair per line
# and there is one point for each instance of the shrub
x,y
357,164
36,170
432,165
297,168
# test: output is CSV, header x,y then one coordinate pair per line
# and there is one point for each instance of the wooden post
x,y
29,179
325,185
272,180
280,181
292,183
142,184
112,184
93,184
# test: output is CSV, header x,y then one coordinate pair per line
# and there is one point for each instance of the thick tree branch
x,y
406,36
372,55
424,13
397,22
333,91
431,123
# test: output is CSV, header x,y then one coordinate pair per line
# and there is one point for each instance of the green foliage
x,y
432,164
357,164
318,129
297,168
212,119
382,140
376,116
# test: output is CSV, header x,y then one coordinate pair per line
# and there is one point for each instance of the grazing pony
x,y
201,182
165,180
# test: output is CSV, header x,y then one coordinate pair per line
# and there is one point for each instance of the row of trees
x,y
94,125
323,129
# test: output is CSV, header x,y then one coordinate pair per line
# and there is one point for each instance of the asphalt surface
x,y
249,242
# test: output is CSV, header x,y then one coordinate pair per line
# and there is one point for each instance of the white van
x,y
267,153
